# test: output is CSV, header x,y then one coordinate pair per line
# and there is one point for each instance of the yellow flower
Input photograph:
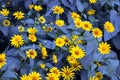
x,y
38,8
66,40
78,23
31,53
99,75
74,15
31,6
32,38
98,64
5,12
92,78
24,77
18,15
59,42
34,76
77,52
91,12
42,66
8,2
42,19
2,60
49,29
104,48
44,52
109,26
6,22
75,37
71,59
60,23
87,26
32,30
58,10
55,60
51,76
17,41
55,71
76,66
92,1
21,28
97,33
67,73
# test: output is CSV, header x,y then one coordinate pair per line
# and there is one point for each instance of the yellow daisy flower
x,y
78,23
6,22
109,26
87,26
91,12
31,6
42,65
60,23
76,66
2,60
17,41
32,38
34,76
38,8
44,52
55,71
18,15
21,28
71,59
104,48
74,15
55,60
31,53
42,19
66,40
97,33
24,77
77,52
99,75
32,30
59,42
51,76
67,73
92,1
58,10
5,12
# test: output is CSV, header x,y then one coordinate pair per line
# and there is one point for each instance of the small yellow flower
x,y
91,12
32,37
42,66
66,40
32,30
58,10
97,33
75,37
55,60
49,29
92,78
55,71
31,6
21,28
92,1
98,64
109,26
77,52
60,23
104,48
2,60
71,59
34,76
99,75
6,22
44,52
76,66
87,26
78,23
17,41
5,12
51,76
42,19
24,77
67,73
74,15
18,15
38,8
31,53
59,42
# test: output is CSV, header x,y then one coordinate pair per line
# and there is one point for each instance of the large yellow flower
x,y
55,71
87,26
109,26
17,41
58,10
5,12
67,73
6,22
78,23
92,1
31,53
74,15
18,15
32,30
44,52
38,8
51,76
24,77
104,48
91,12
77,52
76,66
59,42
34,76
2,60
97,33
42,19
60,23
32,38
